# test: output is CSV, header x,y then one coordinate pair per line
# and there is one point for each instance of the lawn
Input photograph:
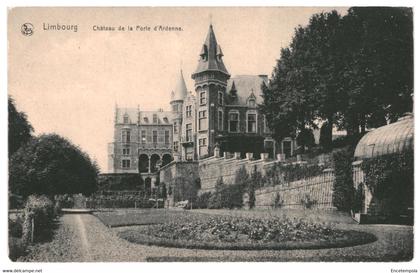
x,y
132,217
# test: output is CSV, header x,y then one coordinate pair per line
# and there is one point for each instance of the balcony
x,y
187,141
158,145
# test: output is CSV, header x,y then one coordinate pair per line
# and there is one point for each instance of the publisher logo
x,y
27,29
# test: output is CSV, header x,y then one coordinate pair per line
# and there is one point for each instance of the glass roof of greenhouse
x,y
389,139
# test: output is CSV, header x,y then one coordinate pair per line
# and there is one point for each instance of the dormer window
x,y
155,118
204,53
165,119
146,120
251,102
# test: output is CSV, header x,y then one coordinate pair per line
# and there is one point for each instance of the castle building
x,y
221,111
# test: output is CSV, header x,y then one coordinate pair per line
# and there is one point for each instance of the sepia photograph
x,y
210,134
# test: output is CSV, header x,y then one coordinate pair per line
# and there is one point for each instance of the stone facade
x,y
142,141
221,111
187,170
318,188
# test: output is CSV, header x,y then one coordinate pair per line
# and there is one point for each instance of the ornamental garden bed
x,y
233,233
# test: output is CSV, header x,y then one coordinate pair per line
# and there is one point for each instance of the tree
x,y
305,138
254,181
20,129
325,138
216,198
184,189
50,165
379,65
351,72
163,192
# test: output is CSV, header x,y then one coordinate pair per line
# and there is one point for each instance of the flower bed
x,y
245,234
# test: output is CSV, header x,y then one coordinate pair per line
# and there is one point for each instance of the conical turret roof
x,y
180,91
211,55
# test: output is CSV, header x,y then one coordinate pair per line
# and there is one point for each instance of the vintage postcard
x,y
211,134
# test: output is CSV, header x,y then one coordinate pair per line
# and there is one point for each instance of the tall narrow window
x,y
234,122
125,163
220,98
166,137
125,119
155,136
143,136
251,123
155,118
202,120
202,97
125,135
202,142
175,146
188,111
220,120
189,132
175,127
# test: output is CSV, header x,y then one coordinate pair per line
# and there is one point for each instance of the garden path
x,y
83,238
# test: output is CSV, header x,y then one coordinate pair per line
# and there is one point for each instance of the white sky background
x,y
69,82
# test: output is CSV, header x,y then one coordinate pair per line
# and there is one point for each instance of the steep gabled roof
x,y
246,86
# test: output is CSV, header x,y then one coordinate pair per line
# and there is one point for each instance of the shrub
x,y
307,201
15,227
277,201
50,164
232,196
283,173
40,210
17,248
215,200
203,200
184,189
254,181
65,200
305,138
343,190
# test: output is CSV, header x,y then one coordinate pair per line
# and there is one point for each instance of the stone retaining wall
x,y
318,189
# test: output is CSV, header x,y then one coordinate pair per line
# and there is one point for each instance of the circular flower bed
x,y
246,234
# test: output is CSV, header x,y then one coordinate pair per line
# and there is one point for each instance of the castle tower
x,y
210,79
177,100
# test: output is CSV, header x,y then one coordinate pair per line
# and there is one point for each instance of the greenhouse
x,y
383,174
389,139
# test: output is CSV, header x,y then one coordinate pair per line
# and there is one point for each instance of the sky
x,y
69,82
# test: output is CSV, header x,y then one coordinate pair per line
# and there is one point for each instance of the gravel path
x,y
83,238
